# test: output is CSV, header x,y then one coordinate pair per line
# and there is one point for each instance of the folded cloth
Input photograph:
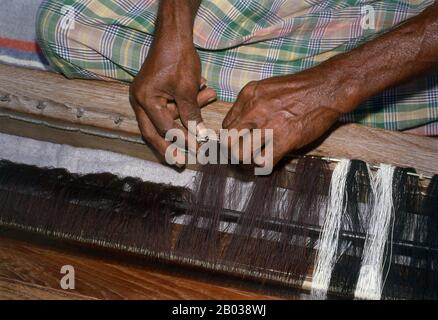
x,y
238,41
18,44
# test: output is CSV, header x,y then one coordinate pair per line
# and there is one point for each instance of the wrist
x,y
175,21
348,83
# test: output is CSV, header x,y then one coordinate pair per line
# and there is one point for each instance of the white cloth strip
x,y
84,160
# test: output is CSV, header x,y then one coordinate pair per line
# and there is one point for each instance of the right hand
x,y
169,86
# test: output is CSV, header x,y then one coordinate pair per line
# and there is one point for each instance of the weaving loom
x,y
327,226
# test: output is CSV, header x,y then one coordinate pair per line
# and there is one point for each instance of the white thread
x,y
370,282
328,240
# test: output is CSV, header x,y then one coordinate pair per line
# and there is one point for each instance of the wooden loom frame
x,y
97,114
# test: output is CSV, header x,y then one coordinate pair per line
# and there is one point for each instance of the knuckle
x,y
189,109
252,83
139,92
251,86
249,89
190,114
187,89
138,95
226,122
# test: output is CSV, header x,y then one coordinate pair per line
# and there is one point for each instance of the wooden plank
x,y
45,98
16,290
30,268
76,138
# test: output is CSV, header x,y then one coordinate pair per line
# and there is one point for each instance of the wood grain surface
x,y
30,269
47,99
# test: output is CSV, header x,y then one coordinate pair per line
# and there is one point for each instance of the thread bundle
x,y
371,277
350,232
328,242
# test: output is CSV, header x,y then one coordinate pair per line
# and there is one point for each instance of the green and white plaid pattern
x,y
238,41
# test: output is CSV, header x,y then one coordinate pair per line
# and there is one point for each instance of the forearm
x,y
408,51
175,20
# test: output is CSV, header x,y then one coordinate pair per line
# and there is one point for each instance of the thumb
x,y
205,97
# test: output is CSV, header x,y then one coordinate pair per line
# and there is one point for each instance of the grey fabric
x,y
18,18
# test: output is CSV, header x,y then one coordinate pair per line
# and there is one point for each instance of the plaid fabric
x,y
238,41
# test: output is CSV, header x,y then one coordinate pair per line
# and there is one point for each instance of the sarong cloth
x,y
240,41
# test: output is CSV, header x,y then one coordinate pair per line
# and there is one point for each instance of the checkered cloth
x,y
239,41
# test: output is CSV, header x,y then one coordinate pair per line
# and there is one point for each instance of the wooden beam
x,y
18,290
102,109
30,269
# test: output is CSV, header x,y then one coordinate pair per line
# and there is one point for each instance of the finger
x,y
203,83
250,118
234,113
205,97
257,126
239,146
171,106
186,140
282,145
258,144
156,109
189,110
265,159
163,121
264,154
243,100
150,134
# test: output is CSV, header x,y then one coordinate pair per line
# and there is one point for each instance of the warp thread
x,y
205,208
278,237
328,243
429,289
371,277
410,224
359,193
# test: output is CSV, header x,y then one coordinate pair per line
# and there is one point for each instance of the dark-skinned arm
x,y
301,107
168,84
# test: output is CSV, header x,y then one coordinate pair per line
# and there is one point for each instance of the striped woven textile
x,y
239,41
18,44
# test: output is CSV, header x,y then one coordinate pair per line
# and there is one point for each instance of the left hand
x,y
299,108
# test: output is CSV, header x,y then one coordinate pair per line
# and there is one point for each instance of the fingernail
x,y
211,99
203,86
